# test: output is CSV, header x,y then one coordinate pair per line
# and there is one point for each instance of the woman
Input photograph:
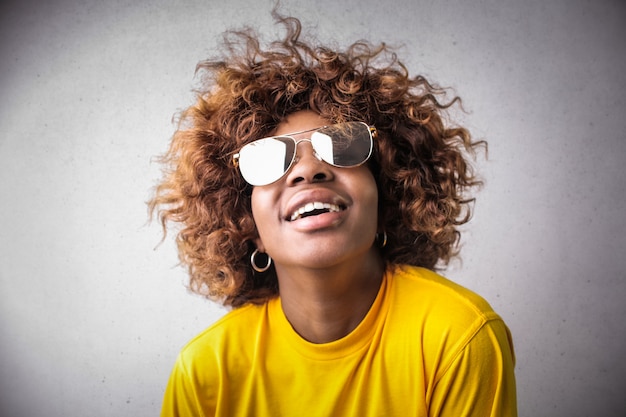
x,y
317,191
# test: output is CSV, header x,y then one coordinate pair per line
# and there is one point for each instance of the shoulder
x,y
201,367
235,327
431,292
446,315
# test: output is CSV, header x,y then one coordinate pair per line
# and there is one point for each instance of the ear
x,y
259,244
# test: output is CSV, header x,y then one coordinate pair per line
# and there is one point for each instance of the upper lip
x,y
319,195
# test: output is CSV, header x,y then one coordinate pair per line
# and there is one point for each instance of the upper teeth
x,y
309,207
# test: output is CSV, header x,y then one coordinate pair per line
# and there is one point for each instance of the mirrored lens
x,y
344,144
264,161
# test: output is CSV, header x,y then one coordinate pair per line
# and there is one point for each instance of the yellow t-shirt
x,y
427,347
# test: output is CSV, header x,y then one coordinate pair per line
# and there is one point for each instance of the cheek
x,y
373,205
369,188
257,207
254,204
364,182
260,203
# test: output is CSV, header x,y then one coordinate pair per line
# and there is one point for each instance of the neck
x,y
324,305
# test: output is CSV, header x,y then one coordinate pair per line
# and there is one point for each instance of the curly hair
x,y
421,164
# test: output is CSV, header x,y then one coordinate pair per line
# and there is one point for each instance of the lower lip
x,y
318,222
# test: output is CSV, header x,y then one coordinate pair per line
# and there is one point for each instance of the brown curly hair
x,y
420,164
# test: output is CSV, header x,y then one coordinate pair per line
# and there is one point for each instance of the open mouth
x,y
314,209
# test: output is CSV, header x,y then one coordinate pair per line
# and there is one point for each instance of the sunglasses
x,y
343,145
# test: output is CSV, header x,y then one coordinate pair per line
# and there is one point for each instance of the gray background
x,y
91,316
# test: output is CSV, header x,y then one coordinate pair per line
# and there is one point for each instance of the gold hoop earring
x,y
384,239
255,266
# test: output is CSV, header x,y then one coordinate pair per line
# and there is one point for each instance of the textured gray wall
x,y
91,317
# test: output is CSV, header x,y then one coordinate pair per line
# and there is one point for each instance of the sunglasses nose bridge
x,y
298,142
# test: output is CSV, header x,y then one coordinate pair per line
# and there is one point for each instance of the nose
x,y
308,167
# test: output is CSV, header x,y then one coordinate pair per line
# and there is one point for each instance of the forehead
x,y
300,122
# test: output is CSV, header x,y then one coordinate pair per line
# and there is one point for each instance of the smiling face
x,y
316,215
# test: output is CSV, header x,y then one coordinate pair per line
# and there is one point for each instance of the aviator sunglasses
x,y
343,145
